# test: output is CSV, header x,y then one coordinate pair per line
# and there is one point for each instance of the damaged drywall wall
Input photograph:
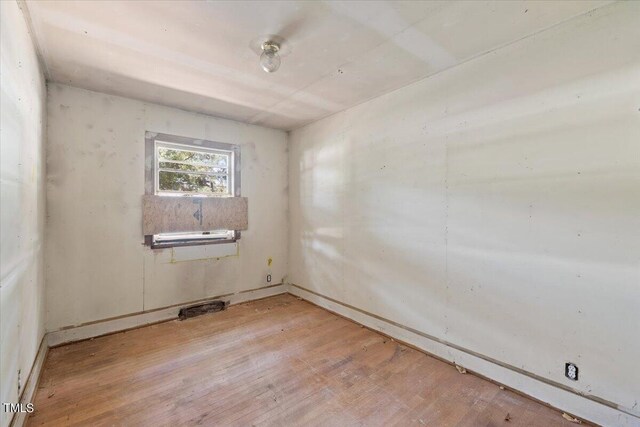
x,y
495,205
22,130
97,265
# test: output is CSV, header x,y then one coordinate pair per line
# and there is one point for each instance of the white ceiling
x,y
196,55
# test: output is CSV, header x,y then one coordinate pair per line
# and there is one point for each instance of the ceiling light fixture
x,y
270,58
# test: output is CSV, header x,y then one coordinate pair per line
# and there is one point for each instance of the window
x,y
190,171
186,167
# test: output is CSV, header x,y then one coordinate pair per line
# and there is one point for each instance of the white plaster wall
x,y
97,266
22,204
495,205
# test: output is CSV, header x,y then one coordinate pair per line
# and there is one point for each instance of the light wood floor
x,y
278,361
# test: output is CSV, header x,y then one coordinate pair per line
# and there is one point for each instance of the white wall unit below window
x,y
192,253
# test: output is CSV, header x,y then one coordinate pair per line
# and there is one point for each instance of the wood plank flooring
x,y
278,361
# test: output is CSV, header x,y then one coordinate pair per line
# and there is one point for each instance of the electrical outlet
x,y
268,278
571,371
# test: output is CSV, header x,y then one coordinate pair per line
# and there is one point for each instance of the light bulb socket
x,y
270,47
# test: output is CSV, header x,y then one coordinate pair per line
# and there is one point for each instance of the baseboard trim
x,y
95,329
591,408
30,387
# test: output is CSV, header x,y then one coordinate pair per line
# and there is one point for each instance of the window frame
x,y
197,149
152,181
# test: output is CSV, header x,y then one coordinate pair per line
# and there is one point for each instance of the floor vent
x,y
199,309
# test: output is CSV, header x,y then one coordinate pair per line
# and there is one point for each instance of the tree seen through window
x,y
195,172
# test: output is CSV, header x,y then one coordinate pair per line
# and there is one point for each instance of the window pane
x,y
191,168
193,183
212,159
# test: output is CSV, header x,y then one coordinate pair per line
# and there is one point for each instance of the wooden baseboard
x,y
136,320
30,387
585,407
